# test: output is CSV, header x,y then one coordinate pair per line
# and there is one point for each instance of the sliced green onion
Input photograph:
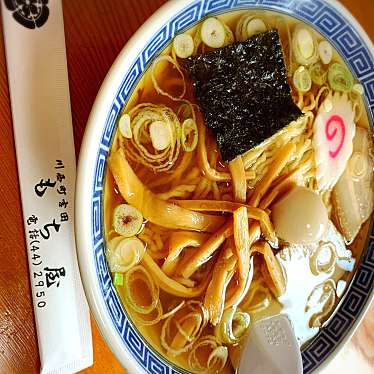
x,y
142,115
305,43
241,323
229,35
127,220
358,165
340,79
318,74
304,46
118,279
183,45
160,134
148,319
355,96
255,26
325,52
143,302
213,33
217,359
189,136
184,111
358,88
124,253
139,314
241,26
191,315
199,360
125,126
302,79
155,73
233,326
249,25
197,40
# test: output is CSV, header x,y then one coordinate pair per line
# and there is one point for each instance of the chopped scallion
x,y
189,136
358,88
160,134
302,79
213,33
127,220
125,126
255,26
325,52
118,279
304,46
124,253
183,45
318,74
339,77
234,324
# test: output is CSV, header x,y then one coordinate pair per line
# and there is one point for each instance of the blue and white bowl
x,y
329,18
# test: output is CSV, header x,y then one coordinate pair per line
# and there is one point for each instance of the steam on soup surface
x,y
216,213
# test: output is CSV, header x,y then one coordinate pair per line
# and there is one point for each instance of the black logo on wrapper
x,y
29,13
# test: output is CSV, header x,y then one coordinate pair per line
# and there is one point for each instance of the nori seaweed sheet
x,y
243,92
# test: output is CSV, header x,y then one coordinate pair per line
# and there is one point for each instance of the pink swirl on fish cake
x,y
331,131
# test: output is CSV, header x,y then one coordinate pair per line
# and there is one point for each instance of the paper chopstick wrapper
x,y
39,90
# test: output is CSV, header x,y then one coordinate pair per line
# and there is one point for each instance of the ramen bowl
x,y
133,351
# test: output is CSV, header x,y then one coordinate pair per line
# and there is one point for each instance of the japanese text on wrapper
x,y
45,276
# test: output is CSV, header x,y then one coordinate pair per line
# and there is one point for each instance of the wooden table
x,y
96,30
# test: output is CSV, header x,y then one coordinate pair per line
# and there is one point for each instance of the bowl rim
x,y
85,176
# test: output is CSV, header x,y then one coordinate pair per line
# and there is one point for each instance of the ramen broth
x,y
294,259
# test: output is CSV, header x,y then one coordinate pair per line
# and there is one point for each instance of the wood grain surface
x,y
96,31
